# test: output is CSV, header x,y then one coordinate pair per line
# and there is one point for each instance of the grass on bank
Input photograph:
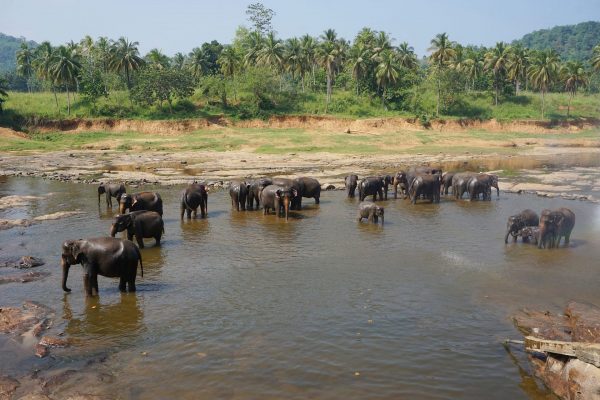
x,y
285,141
344,104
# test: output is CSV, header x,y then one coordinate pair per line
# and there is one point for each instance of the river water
x,y
248,306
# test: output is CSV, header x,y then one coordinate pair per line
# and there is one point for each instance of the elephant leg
x,y
131,281
87,286
140,241
94,284
317,199
157,238
375,219
122,284
182,212
108,200
195,213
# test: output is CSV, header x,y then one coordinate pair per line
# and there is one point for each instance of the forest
x,y
260,74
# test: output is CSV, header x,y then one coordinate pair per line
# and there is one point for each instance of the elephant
x,y
277,198
529,234
149,201
427,186
400,179
296,203
519,221
387,181
351,182
371,212
239,193
115,190
554,225
446,182
309,187
256,187
192,197
459,183
142,224
371,185
479,184
106,256
413,172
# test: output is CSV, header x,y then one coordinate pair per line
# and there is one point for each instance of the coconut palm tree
x,y
328,57
358,61
543,72
496,61
366,37
271,53
406,56
157,59
65,69
198,62
293,57
516,65
125,57
229,60
596,58
25,59
574,76
442,52
387,71
473,67
102,52
178,61
382,43
252,47
309,50
44,55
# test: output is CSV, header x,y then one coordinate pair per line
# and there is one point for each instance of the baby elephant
x,y
370,211
529,234
142,224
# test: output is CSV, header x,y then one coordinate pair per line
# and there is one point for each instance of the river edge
x,y
566,172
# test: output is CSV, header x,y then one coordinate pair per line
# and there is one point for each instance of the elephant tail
x,y
140,257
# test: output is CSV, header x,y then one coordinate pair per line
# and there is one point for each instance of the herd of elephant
x,y
113,257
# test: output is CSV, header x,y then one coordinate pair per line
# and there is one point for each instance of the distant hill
x,y
9,46
572,42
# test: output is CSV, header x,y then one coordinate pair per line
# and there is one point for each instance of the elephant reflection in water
x,y
100,322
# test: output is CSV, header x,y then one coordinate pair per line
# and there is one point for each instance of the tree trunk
x,y
302,80
496,87
68,101
569,105
543,104
55,99
517,87
437,112
128,79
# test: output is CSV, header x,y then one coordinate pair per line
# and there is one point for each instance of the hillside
x,y
9,45
572,42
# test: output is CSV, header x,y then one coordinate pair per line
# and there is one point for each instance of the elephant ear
x,y
76,250
278,193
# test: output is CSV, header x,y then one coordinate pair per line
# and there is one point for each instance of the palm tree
x,y
382,43
157,59
125,57
293,56
574,77
358,58
102,52
516,66
596,58
44,57
25,58
308,45
87,47
65,69
229,60
496,61
543,72
3,92
406,56
252,47
442,52
387,71
271,54
328,56
473,67
198,62
366,37
178,61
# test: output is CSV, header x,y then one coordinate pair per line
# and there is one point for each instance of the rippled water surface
x,y
242,305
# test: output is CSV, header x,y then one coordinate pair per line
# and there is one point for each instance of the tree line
x,y
257,63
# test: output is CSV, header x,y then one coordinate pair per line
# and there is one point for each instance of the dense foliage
x,y
571,42
259,73
8,49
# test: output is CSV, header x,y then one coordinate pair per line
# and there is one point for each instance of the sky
x,y
180,25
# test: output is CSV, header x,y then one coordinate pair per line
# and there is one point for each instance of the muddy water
x,y
242,305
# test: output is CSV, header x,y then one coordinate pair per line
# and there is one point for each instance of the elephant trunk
x,y
286,206
65,268
506,236
121,208
113,230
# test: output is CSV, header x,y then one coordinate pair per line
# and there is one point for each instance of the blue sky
x,y
180,25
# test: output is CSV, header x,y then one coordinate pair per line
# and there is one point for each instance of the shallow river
x,y
242,305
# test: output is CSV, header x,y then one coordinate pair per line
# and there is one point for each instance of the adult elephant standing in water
x,y
401,180
238,191
277,198
149,201
142,224
371,186
309,188
351,181
115,190
294,186
555,225
256,187
106,256
427,186
192,197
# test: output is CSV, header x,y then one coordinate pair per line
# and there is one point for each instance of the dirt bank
x,y
349,125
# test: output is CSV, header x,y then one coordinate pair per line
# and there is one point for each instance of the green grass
x,y
344,104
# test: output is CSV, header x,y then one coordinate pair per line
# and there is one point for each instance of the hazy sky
x,y
180,25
